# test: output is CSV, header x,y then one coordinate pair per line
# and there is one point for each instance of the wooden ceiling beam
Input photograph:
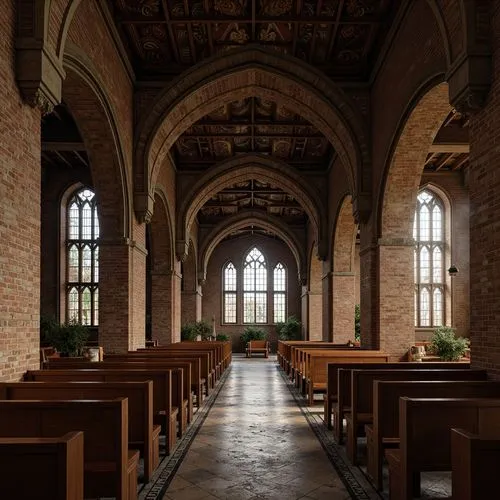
x,y
251,136
121,19
444,160
62,146
460,163
443,147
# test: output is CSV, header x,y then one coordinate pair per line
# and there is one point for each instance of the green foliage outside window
x,y
357,323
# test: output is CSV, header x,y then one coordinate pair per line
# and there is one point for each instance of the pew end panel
x,y
55,467
474,464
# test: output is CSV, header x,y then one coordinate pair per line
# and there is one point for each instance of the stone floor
x,y
256,443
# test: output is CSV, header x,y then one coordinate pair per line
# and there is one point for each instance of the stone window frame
x,y
443,245
79,285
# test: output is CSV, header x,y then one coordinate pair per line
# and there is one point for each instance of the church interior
x,y
235,164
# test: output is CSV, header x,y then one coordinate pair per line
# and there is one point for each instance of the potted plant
x,y
222,337
199,330
447,345
357,325
253,333
68,338
289,329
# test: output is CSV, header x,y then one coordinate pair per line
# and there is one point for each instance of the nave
x,y
255,444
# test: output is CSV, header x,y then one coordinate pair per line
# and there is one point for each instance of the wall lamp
x,y
453,270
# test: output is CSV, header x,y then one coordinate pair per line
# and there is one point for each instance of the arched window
x,y
279,293
229,293
428,232
82,259
254,288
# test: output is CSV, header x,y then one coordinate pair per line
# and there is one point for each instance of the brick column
x,y
314,316
327,286
484,222
162,305
176,303
191,306
396,306
343,302
122,289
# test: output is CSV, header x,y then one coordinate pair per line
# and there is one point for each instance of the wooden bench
x,y
42,468
257,346
110,468
317,364
361,411
339,382
165,413
181,393
198,381
384,432
474,464
142,434
425,437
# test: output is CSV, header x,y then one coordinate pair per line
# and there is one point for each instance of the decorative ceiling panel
x,y
248,126
252,195
341,37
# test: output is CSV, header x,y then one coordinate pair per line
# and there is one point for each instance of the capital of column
x,y
144,207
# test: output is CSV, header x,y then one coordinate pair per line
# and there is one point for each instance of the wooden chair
x,y
257,346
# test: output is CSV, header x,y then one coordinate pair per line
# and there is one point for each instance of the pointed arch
x,y
94,115
252,71
255,167
242,220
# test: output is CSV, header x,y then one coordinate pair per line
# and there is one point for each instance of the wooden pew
x,y
257,346
425,437
384,432
361,411
317,363
142,434
285,351
42,468
207,372
474,464
298,361
339,382
181,393
110,468
164,412
198,381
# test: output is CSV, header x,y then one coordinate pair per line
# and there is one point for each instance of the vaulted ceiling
x,y
253,126
340,37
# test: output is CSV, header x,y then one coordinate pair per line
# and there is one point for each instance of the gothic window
x,y
229,293
279,293
82,259
428,232
254,288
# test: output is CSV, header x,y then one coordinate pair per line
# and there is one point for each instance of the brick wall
x,y
484,189
19,216
235,250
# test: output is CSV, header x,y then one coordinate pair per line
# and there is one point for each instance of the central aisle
x,y
255,444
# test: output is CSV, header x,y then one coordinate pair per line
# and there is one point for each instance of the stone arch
x,y
423,118
344,278
163,296
242,73
85,96
242,169
66,19
242,220
395,288
190,268
344,238
314,305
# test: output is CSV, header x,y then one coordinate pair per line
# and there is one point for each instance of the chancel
x,y
248,249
